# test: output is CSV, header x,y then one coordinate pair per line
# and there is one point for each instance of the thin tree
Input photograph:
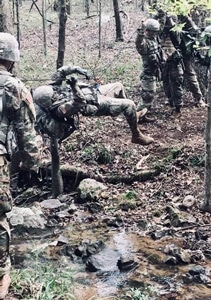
x,y
100,23
57,182
62,33
5,17
44,26
119,36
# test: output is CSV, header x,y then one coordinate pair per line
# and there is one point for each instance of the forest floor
x,y
103,147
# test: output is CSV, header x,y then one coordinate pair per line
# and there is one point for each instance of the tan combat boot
x,y
139,138
4,285
140,114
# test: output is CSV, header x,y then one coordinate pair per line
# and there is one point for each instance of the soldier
x,y
148,47
188,36
203,55
18,113
172,71
99,101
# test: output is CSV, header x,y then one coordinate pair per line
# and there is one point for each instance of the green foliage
x,y
183,7
172,154
196,161
98,153
147,293
44,282
130,195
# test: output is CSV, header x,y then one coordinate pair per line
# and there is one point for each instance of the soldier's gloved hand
x,y
85,73
58,76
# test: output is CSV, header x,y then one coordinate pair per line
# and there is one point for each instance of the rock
x,y
188,201
90,190
26,220
127,263
104,261
196,270
51,204
178,218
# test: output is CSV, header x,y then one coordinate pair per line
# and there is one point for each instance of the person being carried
x,y
95,100
17,114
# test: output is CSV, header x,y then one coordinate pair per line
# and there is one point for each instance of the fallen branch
x,y
77,174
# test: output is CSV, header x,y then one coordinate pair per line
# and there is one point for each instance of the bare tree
x,y
44,26
62,32
5,17
119,36
207,186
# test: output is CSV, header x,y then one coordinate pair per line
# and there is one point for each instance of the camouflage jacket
x,y
148,48
18,114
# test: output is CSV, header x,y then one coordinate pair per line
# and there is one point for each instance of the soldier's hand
x,y
58,76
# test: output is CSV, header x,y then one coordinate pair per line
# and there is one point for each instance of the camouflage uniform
x,y
172,71
148,47
99,101
17,114
190,31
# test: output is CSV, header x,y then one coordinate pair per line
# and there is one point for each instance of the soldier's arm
x,y
64,71
20,110
140,38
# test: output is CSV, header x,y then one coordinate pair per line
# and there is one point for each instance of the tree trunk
x,y
207,187
87,7
119,36
57,182
44,26
5,17
18,21
100,39
62,30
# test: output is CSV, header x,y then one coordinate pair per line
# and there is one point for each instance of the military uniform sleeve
x,y
140,41
21,112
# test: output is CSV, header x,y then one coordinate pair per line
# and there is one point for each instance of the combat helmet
x,y
43,96
9,49
152,24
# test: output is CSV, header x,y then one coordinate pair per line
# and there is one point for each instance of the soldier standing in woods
x,y
172,70
17,114
148,47
187,41
92,100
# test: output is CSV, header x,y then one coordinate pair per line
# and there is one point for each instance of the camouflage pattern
x,y
5,206
9,49
191,79
61,73
43,96
111,102
148,47
172,70
18,114
188,36
107,105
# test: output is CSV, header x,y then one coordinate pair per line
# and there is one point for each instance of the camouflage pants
x,y
109,106
191,79
172,75
5,206
148,90
114,90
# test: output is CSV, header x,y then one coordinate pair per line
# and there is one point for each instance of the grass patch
x,y
43,282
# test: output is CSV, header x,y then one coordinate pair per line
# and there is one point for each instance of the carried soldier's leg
x,y
114,90
5,207
148,90
113,107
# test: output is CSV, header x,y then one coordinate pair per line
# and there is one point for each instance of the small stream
x,y
147,254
